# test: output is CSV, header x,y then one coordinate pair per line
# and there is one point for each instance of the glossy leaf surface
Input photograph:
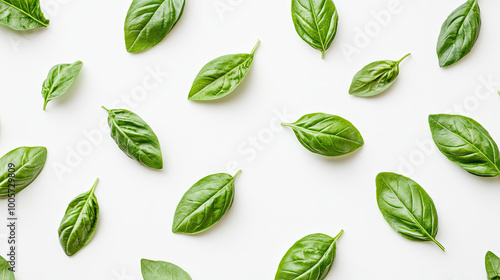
x,y
407,208
310,258
326,134
204,204
79,222
466,143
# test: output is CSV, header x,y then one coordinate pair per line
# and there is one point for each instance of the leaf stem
x,y
286,124
399,61
437,243
237,173
322,54
94,186
338,235
105,109
45,105
255,47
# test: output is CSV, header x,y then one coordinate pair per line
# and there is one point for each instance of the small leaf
x,y
135,137
149,21
6,272
158,270
59,80
492,263
22,14
459,33
326,134
79,222
407,208
221,76
26,163
466,143
309,258
375,78
316,22
204,204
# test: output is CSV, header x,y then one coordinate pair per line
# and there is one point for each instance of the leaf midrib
x,y
24,12
466,141
320,260
250,56
407,210
128,138
313,12
80,212
23,166
204,202
324,134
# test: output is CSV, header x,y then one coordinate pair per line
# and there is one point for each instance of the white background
x,y
285,192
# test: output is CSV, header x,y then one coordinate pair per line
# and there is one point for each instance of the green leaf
x,y
79,222
158,270
492,263
5,270
149,21
221,76
375,78
309,258
26,162
407,208
466,143
204,204
316,22
135,138
459,33
327,135
22,14
59,80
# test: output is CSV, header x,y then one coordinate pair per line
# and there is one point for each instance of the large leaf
x,y
221,76
204,204
407,208
316,22
59,80
492,264
79,222
22,14
459,33
149,21
466,143
310,258
25,163
135,137
159,270
326,134
6,272
375,78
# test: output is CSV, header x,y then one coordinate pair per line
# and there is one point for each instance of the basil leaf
x,y
316,22
327,135
375,78
149,21
135,137
204,204
26,162
492,263
459,33
407,208
466,143
5,270
221,76
79,222
59,79
309,258
158,270
22,14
